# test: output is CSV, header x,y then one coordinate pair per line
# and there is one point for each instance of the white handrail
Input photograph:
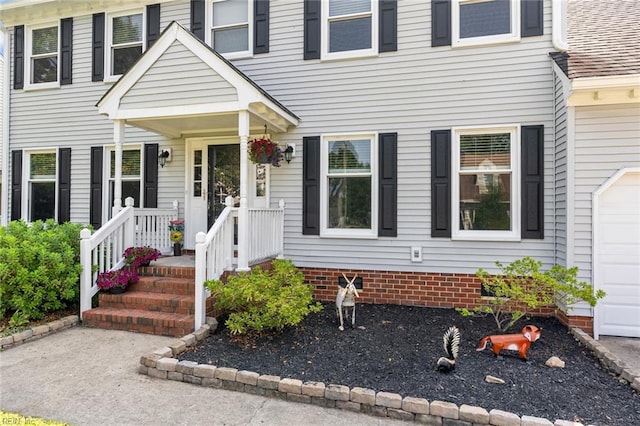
x,y
266,233
102,251
214,255
152,227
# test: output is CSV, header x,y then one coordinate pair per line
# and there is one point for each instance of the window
x,y
230,29
41,185
131,172
485,21
126,41
42,48
348,199
485,183
350,28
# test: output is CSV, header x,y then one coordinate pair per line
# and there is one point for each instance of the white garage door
x,y
617,256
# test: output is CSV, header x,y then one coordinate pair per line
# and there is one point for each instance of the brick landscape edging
x,y
163,364
38,332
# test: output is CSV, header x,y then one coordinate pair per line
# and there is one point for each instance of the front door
x,y
214,174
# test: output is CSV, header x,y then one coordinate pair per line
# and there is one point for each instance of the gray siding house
x,y
429,139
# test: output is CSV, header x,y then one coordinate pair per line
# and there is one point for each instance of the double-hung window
x,y
43,50
485,184
41,185
231,32
349,186
125,36
485,21
350,28
131,173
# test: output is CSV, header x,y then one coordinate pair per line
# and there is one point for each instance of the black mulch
x,y
394,349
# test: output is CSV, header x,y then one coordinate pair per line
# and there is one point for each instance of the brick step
x,y
169,285
148,301
158,323
168,271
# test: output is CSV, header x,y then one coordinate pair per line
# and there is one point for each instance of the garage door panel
x,y
618,257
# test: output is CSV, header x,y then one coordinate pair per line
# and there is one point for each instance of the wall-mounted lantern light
x,y
289,152
165,155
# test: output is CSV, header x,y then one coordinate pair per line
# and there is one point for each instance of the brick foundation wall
x,y
433,290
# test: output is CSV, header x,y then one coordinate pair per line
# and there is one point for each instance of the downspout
x,y
4,194
559,25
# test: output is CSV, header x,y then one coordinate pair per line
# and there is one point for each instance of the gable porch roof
x,y
210,100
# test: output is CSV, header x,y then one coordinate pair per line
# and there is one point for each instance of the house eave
x,y
619,89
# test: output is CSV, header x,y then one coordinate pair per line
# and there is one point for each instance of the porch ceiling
x,y
177,105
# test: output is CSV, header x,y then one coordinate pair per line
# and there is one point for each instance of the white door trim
x,y
595,258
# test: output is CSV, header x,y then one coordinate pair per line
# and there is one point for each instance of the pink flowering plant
x,y
120,278
139,256
265,151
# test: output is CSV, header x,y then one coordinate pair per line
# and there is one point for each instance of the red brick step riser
x,y
168,285
113,320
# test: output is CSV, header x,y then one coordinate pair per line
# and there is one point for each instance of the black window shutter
x,y
97,48
312,29
441,183
388,185
531,14
440,23
16,184
388,35
64,185
151,175
18,57
198,14
66,50
311,185
532,182
153,23
95,187
261,26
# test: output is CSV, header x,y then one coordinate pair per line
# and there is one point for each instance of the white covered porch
x,y
183,90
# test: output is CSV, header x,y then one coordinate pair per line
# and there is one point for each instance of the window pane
x,y
130,188
350,156
130,164
45,40
485,18
44,70
127,29
485,202
351,34
43,200
43,166
231,40
124,57
485,152
350,203
230,12
346,7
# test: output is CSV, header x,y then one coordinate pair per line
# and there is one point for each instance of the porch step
x,y
164,284
159,323
148,301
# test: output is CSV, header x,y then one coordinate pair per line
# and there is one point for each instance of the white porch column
x,y
243,212
118,139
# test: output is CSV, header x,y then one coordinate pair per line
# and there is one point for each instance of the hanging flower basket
x,y
265,151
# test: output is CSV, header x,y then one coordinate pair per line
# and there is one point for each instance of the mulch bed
x,y
395,348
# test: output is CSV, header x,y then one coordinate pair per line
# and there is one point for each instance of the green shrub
x,y
39,269
264,299
521,287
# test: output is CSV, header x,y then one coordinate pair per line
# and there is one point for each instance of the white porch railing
x,y
266,233
102,250
214,255
214,251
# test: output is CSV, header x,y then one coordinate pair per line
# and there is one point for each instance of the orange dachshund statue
x,y
512,342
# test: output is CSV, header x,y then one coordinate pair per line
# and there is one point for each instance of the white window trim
x,y
209,26
108,77
324,170
510,37
106,175
348,54
26,180
28,85
475,235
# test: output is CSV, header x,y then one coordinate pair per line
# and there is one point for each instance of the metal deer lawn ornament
x,y
346,298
